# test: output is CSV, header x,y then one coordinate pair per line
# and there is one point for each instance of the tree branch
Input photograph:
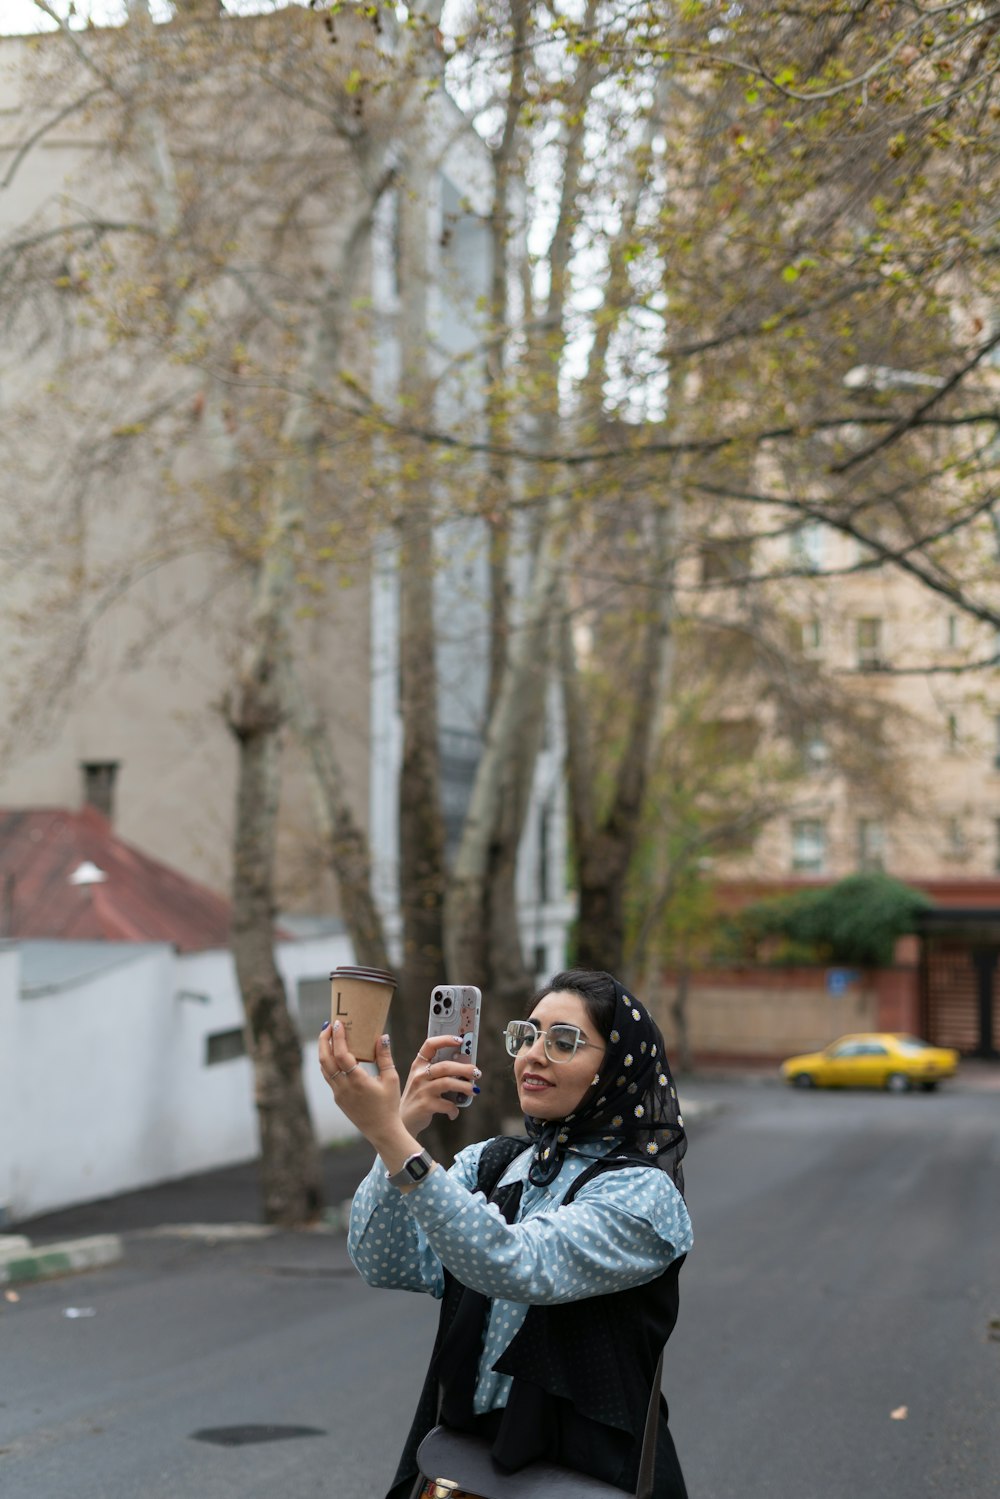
x,y
27,145
919,412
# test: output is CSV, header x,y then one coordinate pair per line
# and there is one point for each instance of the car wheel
x,y
804,1080
898,1082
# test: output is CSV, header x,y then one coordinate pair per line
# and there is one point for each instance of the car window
x,y
871,1049
910,1046
847,1049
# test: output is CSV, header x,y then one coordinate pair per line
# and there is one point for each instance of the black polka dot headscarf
x,y
632,1100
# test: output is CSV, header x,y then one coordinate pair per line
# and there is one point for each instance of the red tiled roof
x,y
141,900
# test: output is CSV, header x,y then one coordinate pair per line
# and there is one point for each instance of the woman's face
x,y
551,1090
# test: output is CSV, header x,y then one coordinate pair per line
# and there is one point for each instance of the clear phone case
x,y
454,1011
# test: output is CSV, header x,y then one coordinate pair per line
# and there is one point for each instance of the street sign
x,y
839,980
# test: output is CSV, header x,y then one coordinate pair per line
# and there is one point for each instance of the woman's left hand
x,y
370,1103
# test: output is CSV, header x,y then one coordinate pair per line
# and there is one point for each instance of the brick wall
x,y
763,1014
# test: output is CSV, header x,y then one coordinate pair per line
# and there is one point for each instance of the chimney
x,y
198,10
99,785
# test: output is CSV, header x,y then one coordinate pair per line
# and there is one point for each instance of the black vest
x,y
582,1371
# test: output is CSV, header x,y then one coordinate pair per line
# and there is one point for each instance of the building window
x,y
732,739
996,742
736,841
811,636
460,751
225,1046
956,847
996,845
871,844
951,730
951,632
869,643
808,846
544,853
726,559
806,546
313,997
815,753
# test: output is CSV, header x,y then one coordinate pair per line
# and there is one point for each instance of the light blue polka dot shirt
x,y
622,1229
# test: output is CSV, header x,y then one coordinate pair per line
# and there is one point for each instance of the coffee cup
x,y
360,999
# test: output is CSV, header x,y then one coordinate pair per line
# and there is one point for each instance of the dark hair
x,y
595,988
635,1106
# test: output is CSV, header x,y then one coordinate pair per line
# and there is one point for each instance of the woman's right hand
x,y
429,1080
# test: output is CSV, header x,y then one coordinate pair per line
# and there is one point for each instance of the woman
x,y
560,1291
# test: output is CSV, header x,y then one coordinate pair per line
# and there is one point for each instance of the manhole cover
x,y
245,1436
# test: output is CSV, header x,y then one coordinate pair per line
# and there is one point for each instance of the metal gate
x,y
960,981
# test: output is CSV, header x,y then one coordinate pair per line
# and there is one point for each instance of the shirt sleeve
x,y
623,1228
387,1246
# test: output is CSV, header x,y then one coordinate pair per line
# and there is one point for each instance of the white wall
x,y
315,960
10,968
104,1081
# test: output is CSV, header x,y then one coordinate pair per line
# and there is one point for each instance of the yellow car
x,y
873,1060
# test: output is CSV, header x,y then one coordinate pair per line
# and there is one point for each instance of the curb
x,y
21,1262
211,1233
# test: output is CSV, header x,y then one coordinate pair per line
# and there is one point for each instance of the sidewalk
x,y
228,1200
90,1235
226,1196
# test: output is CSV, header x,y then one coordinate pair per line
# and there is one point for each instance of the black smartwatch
x,y
413,1170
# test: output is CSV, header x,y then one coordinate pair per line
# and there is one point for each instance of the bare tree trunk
x,y
421,821
290,1167
504,766
604,849
350,856
507,978
518,703
421,824
291,1174
499,469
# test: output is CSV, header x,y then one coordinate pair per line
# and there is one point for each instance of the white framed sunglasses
x,y
560,1042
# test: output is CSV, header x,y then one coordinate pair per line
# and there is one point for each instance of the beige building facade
x,y
933,809
121,604
903,775
123,598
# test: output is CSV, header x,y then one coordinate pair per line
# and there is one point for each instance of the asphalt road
x,y
846,1268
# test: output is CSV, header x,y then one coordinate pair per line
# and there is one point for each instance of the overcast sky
x,y
22,15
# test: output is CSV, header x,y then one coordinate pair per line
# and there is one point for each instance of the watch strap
x,y
413,1170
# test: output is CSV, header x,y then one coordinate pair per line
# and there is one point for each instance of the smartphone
x,y
454,1011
